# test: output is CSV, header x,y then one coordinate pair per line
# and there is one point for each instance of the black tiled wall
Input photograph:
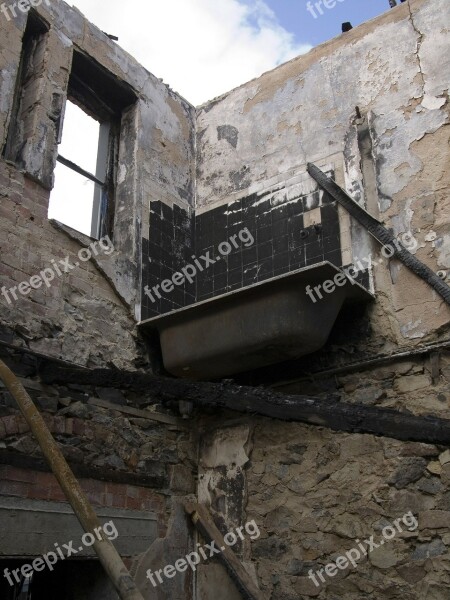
x,y
282,244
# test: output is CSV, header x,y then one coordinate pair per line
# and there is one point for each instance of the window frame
x,y
103,97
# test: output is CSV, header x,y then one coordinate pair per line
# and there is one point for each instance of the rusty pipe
x,y
105,549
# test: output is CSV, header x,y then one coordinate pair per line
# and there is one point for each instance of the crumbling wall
x,y
128,453
394,69
86,315
316,494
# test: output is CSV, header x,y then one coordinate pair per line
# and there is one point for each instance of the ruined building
x,y
242,343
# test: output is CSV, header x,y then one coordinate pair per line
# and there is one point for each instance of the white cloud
x,y
202,48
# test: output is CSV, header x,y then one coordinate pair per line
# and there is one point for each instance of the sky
x,y
202,49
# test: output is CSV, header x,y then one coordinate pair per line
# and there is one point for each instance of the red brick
x,y
59,425
119,501
108,499
10,425
89,432
23,475
135,504
96,498
56,494
93,485
117,489
39,492
48,421
133,492
22,425
14,488
46,479
78,427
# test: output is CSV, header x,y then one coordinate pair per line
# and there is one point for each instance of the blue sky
x,y
295,18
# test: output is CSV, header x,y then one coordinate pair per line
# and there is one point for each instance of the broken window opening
x,y
31,69
79,198
85,173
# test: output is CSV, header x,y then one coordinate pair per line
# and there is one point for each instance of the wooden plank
x,y
83,471
207,528
136,412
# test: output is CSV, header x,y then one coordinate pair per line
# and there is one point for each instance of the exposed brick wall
x,y
36,485
79,317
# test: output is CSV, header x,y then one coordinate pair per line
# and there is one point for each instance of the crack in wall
x,y
420,37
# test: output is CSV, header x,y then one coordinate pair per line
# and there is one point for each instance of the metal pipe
x,y
368,363
107,553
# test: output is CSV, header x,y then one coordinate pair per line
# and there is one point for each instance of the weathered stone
x,y
258,468
112,395
299,567
152,467
181,479
446,474
279,520
347,525
47,403
369,396
444,458
77,409
271,547
384,557
424,551
443,503
359,445
416,449
434,467
430,485
411,383
409,471
434,519
411,573
296,485
304,586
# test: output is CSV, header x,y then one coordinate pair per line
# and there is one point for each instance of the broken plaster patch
x,y
431,236
432,103
443,247
410,330
226,447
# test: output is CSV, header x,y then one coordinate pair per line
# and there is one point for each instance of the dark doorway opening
x,y
69,580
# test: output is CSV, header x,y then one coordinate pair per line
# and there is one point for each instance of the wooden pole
x,y
107,553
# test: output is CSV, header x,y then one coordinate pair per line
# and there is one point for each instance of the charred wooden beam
x,y
84,471
379,232
331,413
